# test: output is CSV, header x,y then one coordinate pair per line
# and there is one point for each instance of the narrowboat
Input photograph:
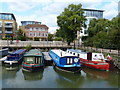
x,y
33,60
15,57
65,61
91,60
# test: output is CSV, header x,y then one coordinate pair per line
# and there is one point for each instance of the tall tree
x,y
70,21
21,35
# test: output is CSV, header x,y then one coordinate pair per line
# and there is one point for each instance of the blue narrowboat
x,y
33,60
65,61
15,57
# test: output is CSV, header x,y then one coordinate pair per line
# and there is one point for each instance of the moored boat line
x,y
65,61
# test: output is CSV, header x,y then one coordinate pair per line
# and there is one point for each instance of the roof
x,y
19,51
29,21
36,25
76,51
93,10
9,14
34,52
61,53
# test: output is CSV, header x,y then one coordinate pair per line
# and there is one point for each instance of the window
x,y
30,29
46,34
43,34
73,53
34,29
29,60
43,29
38,29
30,33
39,33
34,34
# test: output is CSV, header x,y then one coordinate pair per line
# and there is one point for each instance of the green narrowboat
x,y
33,60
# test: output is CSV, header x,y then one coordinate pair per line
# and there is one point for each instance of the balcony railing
x,y
8,26
8,32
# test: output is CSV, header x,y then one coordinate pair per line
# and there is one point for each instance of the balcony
x,y
8,32
8,26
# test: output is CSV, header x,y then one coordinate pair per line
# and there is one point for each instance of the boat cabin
x,y
86,55
17,55
34,56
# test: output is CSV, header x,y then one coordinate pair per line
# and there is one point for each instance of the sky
x,y
46,11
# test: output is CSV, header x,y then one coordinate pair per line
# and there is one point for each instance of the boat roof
x,y
19,51
61,53
76,51
34,52
46,56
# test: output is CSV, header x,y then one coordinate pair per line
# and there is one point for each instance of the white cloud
x,y
111,10
52,30
20,6
50,9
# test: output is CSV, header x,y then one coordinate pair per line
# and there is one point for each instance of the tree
x,y
70,21
21,35
50,37
104,33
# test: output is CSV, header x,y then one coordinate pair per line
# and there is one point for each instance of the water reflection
x,y
33,75
10,71
111,78
68,80
96,73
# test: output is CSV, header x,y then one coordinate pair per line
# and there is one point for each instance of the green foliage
x,y
50,37
104,33
70,21
21,35
28,47
6,38
58,39
36,39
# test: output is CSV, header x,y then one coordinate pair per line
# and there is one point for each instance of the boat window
x,y
78,55
38,60
68,60
73,53
70,52
30,60
71,60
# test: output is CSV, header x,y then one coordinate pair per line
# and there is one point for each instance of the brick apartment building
x,y
8,25
35,30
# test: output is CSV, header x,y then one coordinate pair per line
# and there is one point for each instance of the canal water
x,y
50,77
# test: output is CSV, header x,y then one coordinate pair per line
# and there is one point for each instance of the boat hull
x,y
13,62
97,65
68,69
32,68
71,70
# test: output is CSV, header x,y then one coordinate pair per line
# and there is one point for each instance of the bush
x,y
28,47
58,39
36,39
